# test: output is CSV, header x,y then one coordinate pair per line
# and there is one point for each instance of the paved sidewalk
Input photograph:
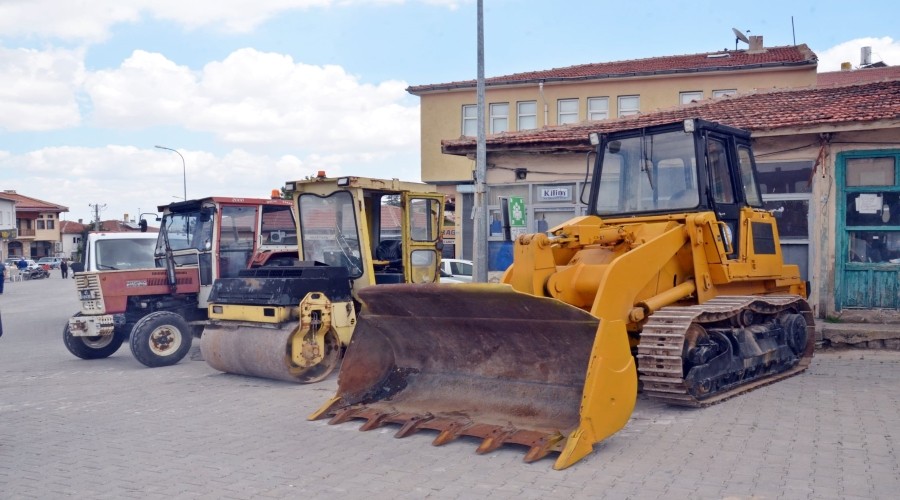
x,y
114,429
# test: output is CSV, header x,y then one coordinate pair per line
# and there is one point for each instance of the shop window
x,y
544,220
877,171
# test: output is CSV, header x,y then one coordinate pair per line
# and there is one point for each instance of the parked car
x,y
53,262
456,271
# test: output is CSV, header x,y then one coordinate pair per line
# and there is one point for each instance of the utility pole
x,y
480,227
97,208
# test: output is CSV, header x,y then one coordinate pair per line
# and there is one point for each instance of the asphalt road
x,y
114,429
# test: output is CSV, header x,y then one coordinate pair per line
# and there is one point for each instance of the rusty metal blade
x,y
480,354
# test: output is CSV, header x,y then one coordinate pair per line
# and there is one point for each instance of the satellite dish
x,y
740,36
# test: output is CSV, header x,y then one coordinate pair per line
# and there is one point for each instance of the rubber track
x,y
660,364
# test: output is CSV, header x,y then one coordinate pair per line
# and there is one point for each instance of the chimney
x,y
125,218
845,66
756,45
865,56
80,221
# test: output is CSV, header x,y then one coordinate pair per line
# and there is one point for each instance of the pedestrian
x,y
22,265
2,276
64,268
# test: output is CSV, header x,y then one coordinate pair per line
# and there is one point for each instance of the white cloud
x,y
127,179
38,89
69,20
884,49
253,98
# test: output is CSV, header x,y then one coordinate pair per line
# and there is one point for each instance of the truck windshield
x,y
329,231
125,254
649,173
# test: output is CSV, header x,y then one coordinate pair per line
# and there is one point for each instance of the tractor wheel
x,y
100,346
161,338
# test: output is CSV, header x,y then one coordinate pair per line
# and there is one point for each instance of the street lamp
x,y
183,167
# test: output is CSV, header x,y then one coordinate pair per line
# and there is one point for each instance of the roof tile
x,y
791,55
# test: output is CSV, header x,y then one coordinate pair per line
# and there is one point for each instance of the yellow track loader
x,y
674,279
352,232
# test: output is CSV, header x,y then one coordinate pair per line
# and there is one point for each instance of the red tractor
x,y
162,308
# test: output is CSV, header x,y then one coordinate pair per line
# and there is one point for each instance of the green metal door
x,y
868,230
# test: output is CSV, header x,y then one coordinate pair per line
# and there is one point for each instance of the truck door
x,y
422,223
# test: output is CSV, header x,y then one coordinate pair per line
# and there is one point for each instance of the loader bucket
x,y
479,360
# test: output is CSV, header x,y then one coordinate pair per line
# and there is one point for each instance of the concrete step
x,y
860,335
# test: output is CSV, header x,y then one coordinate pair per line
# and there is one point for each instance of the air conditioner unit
x,y
276,236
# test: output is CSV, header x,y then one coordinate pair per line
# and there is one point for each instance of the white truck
x,y
114,251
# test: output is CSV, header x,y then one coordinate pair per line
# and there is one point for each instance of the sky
x,y
254,93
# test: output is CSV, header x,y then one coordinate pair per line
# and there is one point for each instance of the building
x,y
36,228
600,91
533,100
829,164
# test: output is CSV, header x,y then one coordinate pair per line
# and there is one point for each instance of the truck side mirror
x,y
143,225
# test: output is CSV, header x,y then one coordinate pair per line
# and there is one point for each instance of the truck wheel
x,y
100,346
161,338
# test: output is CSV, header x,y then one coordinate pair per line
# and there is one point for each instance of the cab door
x,y
725,199
422,224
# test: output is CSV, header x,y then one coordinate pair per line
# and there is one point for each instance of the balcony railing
x,y
26,233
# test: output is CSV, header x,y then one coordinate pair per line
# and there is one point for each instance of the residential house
x,y
829,164
37,227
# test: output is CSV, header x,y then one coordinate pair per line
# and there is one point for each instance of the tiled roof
x,y
760,111
29,204
863,75
71,227
728,60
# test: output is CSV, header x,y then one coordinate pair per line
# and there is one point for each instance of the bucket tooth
x,y
374,421
453,431
412,425
494,440
344,415
543,446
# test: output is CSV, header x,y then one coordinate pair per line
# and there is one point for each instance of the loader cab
x,y
683,167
